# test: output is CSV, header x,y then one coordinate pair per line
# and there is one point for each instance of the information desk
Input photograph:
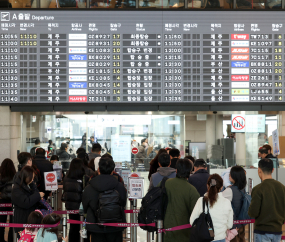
x,y
141,56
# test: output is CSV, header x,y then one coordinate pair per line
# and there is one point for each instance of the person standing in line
x,y
154,163
24,159
141,155
182,197
44,166
73,186
35,147
25,196
174,156
267,205
7,173
220,208
111,209
164,170
200,177
234,195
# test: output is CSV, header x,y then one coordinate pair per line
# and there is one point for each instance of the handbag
x,y
44,207
202,228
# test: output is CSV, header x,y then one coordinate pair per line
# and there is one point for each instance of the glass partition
x,y
117,134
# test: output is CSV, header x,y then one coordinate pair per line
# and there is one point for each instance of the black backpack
x,y
153,206
202,227
109,207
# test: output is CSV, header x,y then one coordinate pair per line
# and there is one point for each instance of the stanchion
x,y
131,220
55,202
135,221
148,237
14,235
64,226
81,227
159,226
52,200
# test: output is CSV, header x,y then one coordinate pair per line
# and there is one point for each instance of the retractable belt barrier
x,y
65,211
5,205
14,225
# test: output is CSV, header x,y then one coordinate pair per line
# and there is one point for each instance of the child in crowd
x,y
28,234
49,234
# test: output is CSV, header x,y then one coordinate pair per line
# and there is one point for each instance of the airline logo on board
x,y
78,92
77,71
240,70
240,50
77,85
240,77
77,57
240,63
78,64
240,84
78,78
240,57
240,43
78,50
240,98
82,99
240,36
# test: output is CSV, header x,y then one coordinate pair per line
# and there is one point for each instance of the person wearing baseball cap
x,y
200,177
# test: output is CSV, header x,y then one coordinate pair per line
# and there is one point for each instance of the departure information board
x,y
141,56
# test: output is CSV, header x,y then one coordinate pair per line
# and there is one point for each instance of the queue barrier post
x,y
159,226
52,200
148,238
131,221
55,202
135,221
64,226
14,235
81,227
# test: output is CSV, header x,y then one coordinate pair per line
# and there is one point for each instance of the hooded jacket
x,y
90,201
162,172
63,155
25,199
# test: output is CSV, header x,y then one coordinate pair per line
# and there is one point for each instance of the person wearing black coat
x,y
101,183
200,177
7,172
43,166
25,196
73,185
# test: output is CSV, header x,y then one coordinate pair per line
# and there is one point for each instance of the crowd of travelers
x,y
91,183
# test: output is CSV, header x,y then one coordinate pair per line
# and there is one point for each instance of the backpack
x,y
246,200
109,207
202,227
26,237
153,206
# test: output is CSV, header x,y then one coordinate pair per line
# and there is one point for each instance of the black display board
x,y
162,57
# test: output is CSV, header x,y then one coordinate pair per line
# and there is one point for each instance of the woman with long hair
x,y
234,194
154,163
7,173
25,196
220,208
73,186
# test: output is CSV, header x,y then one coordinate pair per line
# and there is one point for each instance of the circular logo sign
x,y
238,123
135,151
50,177
134,175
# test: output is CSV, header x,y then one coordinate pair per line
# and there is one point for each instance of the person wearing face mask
x,y
25,196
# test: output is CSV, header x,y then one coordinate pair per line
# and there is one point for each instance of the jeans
x,y
221,240
267,237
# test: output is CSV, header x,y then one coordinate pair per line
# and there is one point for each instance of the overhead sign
x,y
50,181
238,123
275,140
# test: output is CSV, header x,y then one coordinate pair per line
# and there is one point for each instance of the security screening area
x,y
139,153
